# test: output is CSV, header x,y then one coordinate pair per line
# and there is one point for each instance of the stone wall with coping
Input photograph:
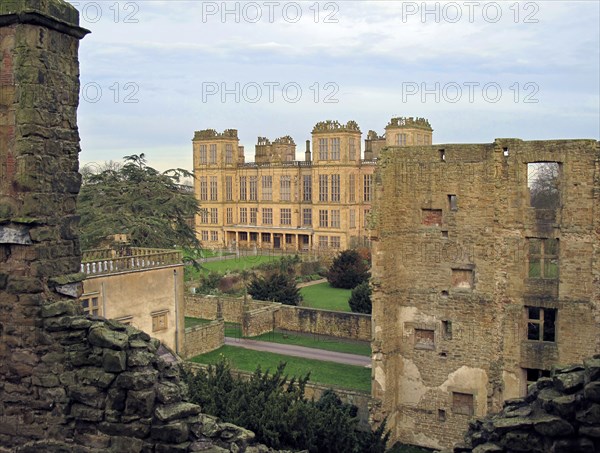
x,y
204,338
353,326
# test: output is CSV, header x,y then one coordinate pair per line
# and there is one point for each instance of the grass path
x,y
326,297
326,373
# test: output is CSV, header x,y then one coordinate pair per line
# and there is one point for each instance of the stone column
x,y
39,182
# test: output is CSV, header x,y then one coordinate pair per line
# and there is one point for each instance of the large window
x,y
228,188
334,242
335,218
368,187
267,216
214,236
286,216
543,182
214,216
203,215
213,189
228,154
401,139
323,218
352,219
203,159
285,188
229,214
335,187
203,188
335,149
213,154
244,216
253,188
253,216
352,188
323,242
307,217
323,188
351,149
323,152
307,188
541,324
543,258
267,188
243,188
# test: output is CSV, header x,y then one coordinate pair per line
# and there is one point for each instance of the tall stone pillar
x,y
39,182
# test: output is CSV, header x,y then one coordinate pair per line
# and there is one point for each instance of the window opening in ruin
x,y
463,403
533,374
543,258
462,278
431,217
424,339
543,182
453,202
441,415
445,234
443,155
444,294
541,324
444,355
447,330
505,152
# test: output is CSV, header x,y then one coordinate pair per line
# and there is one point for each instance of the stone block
x,y
107,338
167,413
114,361
140,402
172,433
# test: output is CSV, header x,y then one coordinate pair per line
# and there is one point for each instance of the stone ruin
x,y
69,383
560,414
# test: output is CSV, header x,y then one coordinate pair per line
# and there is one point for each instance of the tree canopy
x,y
151,207
276,287
348,270
360,299
278,412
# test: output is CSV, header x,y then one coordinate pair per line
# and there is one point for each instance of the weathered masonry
x,y
69,383
486,274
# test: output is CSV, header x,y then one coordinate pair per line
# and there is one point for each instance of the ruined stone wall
x,y
451,281
204,338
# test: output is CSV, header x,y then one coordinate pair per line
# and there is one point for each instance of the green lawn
x,y
238,263
326,297
327,373
317,342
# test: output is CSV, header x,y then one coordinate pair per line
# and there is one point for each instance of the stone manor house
x,y
277,202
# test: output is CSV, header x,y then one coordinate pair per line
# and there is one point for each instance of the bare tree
x,y
544,179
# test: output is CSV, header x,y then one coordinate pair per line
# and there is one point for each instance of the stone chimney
x,y
307,157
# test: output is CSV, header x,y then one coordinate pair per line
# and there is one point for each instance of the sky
x,y
153,72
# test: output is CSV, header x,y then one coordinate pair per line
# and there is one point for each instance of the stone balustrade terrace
x,y
107,261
